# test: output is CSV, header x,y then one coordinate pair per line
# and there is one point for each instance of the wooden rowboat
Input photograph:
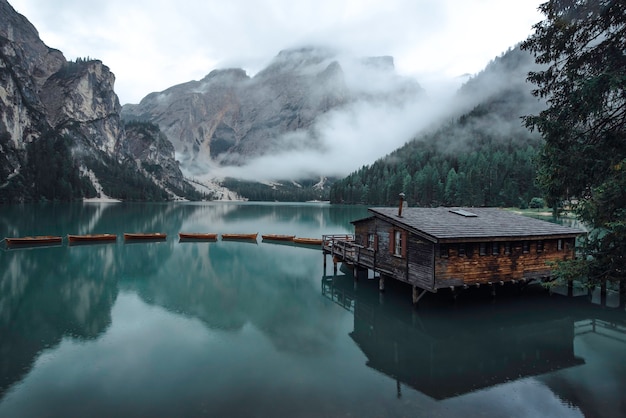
x,y
276,237
145,236
91,238
240,236
197,236
41,239
307,241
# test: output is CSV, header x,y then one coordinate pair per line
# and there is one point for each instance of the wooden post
x,y
622,293
381,283
603,293
570,288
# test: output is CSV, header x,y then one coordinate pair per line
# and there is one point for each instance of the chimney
x,y
400,205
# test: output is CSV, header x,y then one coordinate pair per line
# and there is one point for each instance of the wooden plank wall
x,y
457,270
416,268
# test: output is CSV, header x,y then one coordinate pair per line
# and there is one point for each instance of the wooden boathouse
x,y
437,248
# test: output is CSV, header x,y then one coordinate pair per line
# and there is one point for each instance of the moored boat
x,y
91,238
146,236
240,236
278,237
197,236
308,241
40,239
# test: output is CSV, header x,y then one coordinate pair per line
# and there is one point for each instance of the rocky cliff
x,y
229,118
60,124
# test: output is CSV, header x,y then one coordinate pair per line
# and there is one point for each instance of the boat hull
x,y
197,236
145,236
274,237
308,241
240,236
91,238
43,239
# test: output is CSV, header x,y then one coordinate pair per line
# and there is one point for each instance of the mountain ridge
x,y
66,116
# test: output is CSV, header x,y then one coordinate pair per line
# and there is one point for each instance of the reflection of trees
x,y
47,294
318,215
229,284
443,351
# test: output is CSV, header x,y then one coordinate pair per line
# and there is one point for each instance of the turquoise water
x,y
228,328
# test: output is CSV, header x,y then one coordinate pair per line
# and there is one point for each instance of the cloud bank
x,y
151,46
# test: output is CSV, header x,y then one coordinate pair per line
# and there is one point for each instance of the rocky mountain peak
x,y
228,118
60,124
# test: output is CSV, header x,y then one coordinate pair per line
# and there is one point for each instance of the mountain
x,y
231,119
480,156
61,134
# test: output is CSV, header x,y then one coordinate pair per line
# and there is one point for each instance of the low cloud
x,y
347,139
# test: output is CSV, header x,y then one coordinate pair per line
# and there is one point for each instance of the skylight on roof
x,y
462,212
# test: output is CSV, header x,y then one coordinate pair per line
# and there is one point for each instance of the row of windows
x,y
398,246
492,248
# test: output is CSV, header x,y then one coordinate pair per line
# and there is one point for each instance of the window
x,y
539,246
483,248
525,247
444,251
507,247
495,248
559,245
461,250
397,243
372,241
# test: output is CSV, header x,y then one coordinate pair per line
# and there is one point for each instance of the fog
x,y
393,110
388,110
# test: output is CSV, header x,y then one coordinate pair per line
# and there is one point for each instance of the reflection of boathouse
x,y
443,354
435,248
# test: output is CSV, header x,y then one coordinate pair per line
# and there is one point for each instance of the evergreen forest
x,y
461,164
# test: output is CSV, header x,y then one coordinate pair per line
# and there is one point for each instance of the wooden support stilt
x,y
603,293
570,288
381,284
417,296
493,290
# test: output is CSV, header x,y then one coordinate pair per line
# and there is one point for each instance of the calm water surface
x,y
226,328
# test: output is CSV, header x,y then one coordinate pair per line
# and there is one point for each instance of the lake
x,y
260,329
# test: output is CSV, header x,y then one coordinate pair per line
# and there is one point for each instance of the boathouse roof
x,y
446,224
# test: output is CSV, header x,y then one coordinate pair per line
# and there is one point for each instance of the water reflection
x,y
48,294
445,351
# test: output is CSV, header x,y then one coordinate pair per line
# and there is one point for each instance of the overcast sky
x,y
151,45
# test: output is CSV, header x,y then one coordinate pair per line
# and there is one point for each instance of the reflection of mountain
x,y
47,294
228,285
448,352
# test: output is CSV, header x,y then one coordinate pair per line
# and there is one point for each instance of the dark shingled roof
x,y
479,223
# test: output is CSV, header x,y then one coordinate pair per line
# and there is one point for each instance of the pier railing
x,y
347,250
